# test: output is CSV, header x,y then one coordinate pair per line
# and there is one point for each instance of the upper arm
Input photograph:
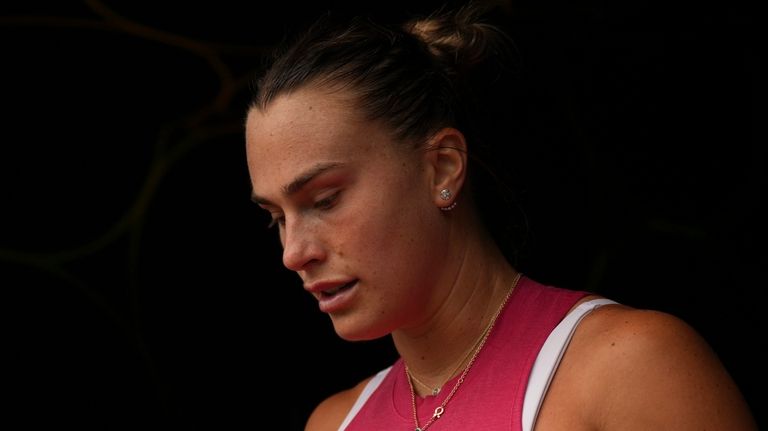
x,y
653,371
330,413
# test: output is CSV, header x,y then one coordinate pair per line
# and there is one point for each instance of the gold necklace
x,y
436,390
440,410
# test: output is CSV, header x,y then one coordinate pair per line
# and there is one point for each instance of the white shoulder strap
x,y
549,358
370,387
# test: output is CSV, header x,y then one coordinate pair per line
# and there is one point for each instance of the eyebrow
x,y
300,181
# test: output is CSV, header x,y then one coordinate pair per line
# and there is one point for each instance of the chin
x,y
349,330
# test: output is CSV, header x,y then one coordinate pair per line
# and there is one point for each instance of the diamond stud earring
x,y
445,195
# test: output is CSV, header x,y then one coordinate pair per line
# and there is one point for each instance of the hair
x,y
444,70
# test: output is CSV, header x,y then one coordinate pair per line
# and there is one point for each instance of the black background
x,y
141,289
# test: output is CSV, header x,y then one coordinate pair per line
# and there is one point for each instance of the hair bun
x,y
460,40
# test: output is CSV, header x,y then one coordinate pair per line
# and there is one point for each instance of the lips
x,y
334,290
333,296
329,286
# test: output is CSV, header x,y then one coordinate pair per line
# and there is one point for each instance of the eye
x,y
276,220
327,202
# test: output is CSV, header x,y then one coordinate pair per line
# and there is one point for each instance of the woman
x,y
365,144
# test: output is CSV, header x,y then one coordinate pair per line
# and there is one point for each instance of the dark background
x,y
141,289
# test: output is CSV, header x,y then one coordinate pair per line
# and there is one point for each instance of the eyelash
x,y
323,204
327,203
276,221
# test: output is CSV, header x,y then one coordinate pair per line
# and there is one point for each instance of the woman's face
x,y
354,209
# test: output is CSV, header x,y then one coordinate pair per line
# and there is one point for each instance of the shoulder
x,y
330,413
618,330
627,337
650,370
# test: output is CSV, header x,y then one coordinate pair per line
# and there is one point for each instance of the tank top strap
x,y
549,359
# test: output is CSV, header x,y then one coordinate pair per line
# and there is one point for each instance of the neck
x,y
440,345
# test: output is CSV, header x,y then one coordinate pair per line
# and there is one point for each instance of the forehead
x,y
293,119
310,126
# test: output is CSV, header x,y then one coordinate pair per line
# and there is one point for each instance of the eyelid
x,y
276,221
276,217
327,200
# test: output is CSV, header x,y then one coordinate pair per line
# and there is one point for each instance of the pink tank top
x,y
491,397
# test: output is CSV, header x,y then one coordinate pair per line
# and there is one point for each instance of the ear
x,y
447,161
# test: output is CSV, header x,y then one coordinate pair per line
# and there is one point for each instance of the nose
x,y
301,246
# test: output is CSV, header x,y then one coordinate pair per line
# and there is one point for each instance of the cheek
x,y
391,235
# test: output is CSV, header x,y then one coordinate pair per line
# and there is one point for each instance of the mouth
x,y
336,290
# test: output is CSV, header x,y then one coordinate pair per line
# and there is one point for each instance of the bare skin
x,y
346,196
625,369
629,369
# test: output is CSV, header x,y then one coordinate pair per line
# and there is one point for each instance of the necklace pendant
x,y
436,391
438,412
417,429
